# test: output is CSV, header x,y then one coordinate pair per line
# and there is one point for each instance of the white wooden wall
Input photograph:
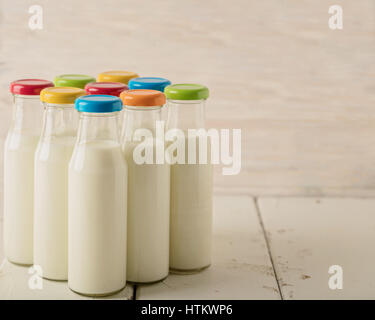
x,y
303,95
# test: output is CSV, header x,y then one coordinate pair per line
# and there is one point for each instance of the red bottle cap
x,y
29,87
108,88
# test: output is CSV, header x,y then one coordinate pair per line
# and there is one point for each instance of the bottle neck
x,y
185,114
98,127
140,118
27,114
59,121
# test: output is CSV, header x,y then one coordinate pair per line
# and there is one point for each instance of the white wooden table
x,y
266,248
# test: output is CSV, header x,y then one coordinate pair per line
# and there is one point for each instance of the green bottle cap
x,y
186,91
73,80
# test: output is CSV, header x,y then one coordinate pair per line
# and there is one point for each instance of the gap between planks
x,y
259,214
134,297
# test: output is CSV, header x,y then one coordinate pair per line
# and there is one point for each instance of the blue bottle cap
x,y
151,83
98,103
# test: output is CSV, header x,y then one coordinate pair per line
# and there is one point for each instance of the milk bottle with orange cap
x,y
148,189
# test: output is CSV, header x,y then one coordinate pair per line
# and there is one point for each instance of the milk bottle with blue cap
x,y
97,200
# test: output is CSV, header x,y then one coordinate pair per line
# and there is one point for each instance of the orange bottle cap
x,y
142,98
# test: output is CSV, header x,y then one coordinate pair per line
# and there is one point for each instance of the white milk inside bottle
x,y
191,184
51,181
18,197
148,190
19,150
191,216
148,219
97,200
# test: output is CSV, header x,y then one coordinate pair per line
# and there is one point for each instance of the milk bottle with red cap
x,y
20,145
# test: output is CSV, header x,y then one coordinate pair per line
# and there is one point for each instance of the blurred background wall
x,y
303,94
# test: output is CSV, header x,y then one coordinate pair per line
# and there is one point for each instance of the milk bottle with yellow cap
x,y
20,145
52,158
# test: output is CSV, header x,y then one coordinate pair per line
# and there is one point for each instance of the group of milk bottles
x,y
75,201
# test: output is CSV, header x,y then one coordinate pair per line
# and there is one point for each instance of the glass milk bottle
x,y
19,149
148,189
191,184
108,88
97,200
73,80
52,158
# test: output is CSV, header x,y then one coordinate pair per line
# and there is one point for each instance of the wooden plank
x,y
14,284
308,235
241,267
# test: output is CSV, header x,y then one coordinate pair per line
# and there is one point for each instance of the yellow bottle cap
x,y
116,76
61,95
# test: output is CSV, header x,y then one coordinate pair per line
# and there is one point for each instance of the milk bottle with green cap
x,y
191,184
